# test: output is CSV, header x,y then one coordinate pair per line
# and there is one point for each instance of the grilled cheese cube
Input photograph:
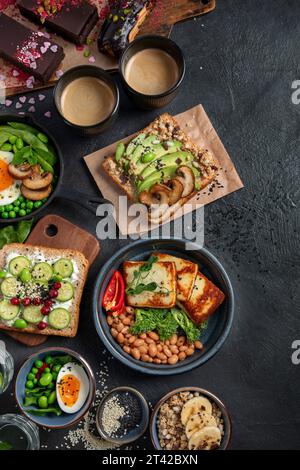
x,y
186,273
204,301
164,274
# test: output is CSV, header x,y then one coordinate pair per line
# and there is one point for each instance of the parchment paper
x,y
197,125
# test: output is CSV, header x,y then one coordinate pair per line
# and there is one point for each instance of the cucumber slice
x,y
10,286
32,314
63,267
16,265
66,292
59,318
42,272
7,310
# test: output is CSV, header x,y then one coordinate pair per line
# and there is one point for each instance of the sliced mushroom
x,y
148,199
176,190
20,171
35,194
156,199
187,179
37,179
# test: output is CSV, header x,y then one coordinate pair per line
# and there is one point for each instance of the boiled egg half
x,y
72,387
9,187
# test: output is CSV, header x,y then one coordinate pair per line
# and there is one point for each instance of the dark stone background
x,y
241,61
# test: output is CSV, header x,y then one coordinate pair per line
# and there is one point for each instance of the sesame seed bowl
x,y
172,428
33,395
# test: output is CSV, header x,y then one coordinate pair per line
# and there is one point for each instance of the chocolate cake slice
x,y
29,50
71,19
122,25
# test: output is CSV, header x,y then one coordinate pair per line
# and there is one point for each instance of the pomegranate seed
x,y
37,301
26,301
57,285
15,301
53,293
45,310
42,325
48,303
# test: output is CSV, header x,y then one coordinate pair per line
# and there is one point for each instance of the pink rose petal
x,y
31,101
33,65
43,49
59,73
31,109
15,73
42,97
54,48
47,44
18,105
47,114
22,99
8,103
92,59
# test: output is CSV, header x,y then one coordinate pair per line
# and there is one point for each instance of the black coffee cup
x,y
88,71
155,42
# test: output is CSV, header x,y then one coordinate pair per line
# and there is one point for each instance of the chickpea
x,y
150,359
126,321
149,341
145,357
173,339
198,345
114,332
119,327
132,339
190,351
174,349
138,342
126,349
159,347
143,336
136,353
125,330
156,361
183,348
181,356
167,351
152,350
143,349
153,335
173,359
120,338
161,356
110,320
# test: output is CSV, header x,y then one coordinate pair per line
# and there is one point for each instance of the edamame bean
x,y
12,139
2,274
54,375
19,143
30,376
46,379
20,323
52,398
38,364
29,384
48,359
34,370
25,275
43,402
6,147
47,370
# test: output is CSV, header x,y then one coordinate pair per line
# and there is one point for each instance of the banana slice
x,y
199,421
194,406
208,438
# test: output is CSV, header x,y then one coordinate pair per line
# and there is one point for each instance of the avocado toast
x,y
41,289
161,167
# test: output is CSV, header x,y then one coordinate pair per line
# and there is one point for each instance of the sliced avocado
x,y
157,177
120,151
132,145
159,151
176,158
145,145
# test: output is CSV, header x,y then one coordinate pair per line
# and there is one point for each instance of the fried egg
x,y
72,387
9,187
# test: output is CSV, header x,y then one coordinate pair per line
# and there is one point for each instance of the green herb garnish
x,y
137,287
15,234
5,445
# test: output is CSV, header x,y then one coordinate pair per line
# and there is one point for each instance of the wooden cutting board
x,y
160,21
54,231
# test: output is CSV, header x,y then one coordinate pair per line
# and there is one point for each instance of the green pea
x,y
16,209
20,323
12,214
30,376
6,147
9,207
29,384
29,204
17,203
43,137
38,364
21,198
19,143
23,205
34,370
4,215
43,402
25,275
12,139
28,211
2,274
1,208
52,398
48,360
35,381
22,212
45,380
47,370
37,204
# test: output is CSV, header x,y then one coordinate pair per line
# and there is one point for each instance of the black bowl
x,y
87,71
156,42
59,167
219,324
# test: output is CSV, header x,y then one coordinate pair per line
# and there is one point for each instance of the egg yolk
x,y
5,178
69,387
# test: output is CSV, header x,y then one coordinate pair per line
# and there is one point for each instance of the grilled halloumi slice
x,y
163,274
204,301
186,272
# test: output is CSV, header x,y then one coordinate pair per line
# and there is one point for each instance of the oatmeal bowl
x,y
190,418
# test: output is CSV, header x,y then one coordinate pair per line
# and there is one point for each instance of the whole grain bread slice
x,y
51,254
167,128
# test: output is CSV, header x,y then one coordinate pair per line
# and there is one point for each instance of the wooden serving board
x,y
160,21
55,232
